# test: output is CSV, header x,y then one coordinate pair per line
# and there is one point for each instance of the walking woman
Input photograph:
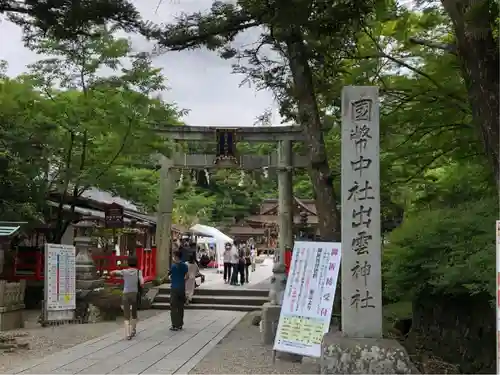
x,y
132,283
193,271
253,254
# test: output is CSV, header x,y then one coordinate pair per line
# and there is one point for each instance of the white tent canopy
x,y
220,239
207,231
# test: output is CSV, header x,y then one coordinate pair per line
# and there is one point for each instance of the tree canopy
x,y
68,129
67,19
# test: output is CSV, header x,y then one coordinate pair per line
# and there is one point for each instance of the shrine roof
x,y
178,228
246,230
93,214
274,219
307,204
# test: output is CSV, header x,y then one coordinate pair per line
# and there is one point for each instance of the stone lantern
x,y
86,271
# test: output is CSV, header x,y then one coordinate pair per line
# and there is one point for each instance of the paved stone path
x,y
155,349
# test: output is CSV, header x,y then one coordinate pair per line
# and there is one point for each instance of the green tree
x,y
474,42
291,30
24,139
104,124
67,19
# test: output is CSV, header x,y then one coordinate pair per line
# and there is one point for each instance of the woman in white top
x,y
132,282
193,271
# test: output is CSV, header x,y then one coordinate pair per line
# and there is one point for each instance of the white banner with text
x,y
308,302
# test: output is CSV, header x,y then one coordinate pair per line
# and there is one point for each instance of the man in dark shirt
x,y
178,274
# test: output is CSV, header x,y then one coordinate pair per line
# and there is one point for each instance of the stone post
x,y
164,222
271,310
351,350
361,242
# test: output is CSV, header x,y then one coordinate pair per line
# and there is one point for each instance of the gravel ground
x,y
45,341
241,352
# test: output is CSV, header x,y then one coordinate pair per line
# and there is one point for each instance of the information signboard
x,y
113,216
60,283
308,301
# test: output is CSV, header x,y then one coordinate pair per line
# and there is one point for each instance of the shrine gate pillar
x,y
285,207
168,178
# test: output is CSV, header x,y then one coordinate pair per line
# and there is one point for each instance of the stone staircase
x,y
231,299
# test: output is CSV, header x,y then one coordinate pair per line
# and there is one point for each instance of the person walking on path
x,y
193,271
178,276
248,262
234,265
133,281
227,262
241,265
253,256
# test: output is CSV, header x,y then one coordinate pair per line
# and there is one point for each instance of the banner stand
x,y
308,299
59,303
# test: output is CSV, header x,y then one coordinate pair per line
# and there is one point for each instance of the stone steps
x,y
220,300
229,291
202,306
231,299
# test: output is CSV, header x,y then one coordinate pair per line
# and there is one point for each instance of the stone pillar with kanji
x,y
347,351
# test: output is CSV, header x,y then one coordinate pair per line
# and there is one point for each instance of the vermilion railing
x,y
146,262
29,265
105,264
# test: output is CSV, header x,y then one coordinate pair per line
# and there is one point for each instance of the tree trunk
x,y
309,118
478,54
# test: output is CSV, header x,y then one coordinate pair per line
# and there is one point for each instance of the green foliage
x,y
67,19
65,129
447,250
24,138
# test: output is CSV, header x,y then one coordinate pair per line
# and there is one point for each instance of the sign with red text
x,y
308,301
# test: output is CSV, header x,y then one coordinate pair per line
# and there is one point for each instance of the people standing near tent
x,y
132,282
193,272
234,265
227,262
178,275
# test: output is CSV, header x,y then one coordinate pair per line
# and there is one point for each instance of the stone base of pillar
x,y
345,355
269,322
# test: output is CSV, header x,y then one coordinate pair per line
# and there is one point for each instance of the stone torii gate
x,y
283,161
